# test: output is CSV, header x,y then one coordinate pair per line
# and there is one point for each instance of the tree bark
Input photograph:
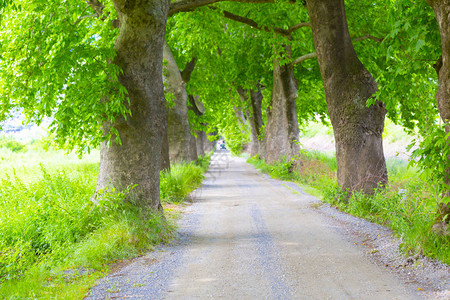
x,y
193,148
442,12
139,54
357,128
238,111
165,158
178,129
255,119
201,136
198,109
282,132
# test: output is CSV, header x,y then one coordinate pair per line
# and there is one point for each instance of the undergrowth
x,y
408,205
55,241
182,179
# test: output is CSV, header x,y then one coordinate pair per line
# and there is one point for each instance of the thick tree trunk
x,y
178,128
442,12
201,136
193,148
282,132
198,109
139,53
357,128
255,119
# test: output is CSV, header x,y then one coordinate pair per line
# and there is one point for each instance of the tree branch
x,y
190,5
186,73
83,17
302,58
252,23
97,6
298,26
240,19
193,106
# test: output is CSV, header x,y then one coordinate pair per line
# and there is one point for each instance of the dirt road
x,y
247,236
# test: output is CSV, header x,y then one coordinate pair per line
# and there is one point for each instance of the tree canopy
x,y
58,60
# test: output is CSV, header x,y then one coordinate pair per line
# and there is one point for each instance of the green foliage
x,y
281,170
310,168
406,77
43,217
181,180
55,63
236,137
204,161
431,158
37,215
56,240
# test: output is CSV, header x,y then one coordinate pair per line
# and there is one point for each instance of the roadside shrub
x,y
39,218
315,169
50,227
176,185
410,214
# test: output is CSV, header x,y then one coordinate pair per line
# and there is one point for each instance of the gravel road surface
x,y
247,236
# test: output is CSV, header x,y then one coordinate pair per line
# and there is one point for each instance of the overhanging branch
x,y
193,106
186,73
190,5
298,26
302,58
252,23
97,6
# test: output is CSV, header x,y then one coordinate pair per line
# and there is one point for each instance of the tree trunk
x,y
198,109
193,148
165,158
357,128
442,12
201,136
178,129
238,111
282,132
139,54
255,119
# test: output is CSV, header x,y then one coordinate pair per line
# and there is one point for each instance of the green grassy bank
x,y
54,241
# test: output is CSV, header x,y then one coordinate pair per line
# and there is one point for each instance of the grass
x,y
182,179
54,241
408,205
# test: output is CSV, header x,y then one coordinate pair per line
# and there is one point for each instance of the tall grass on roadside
x,y
182,179
49,225
55,242
407,205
